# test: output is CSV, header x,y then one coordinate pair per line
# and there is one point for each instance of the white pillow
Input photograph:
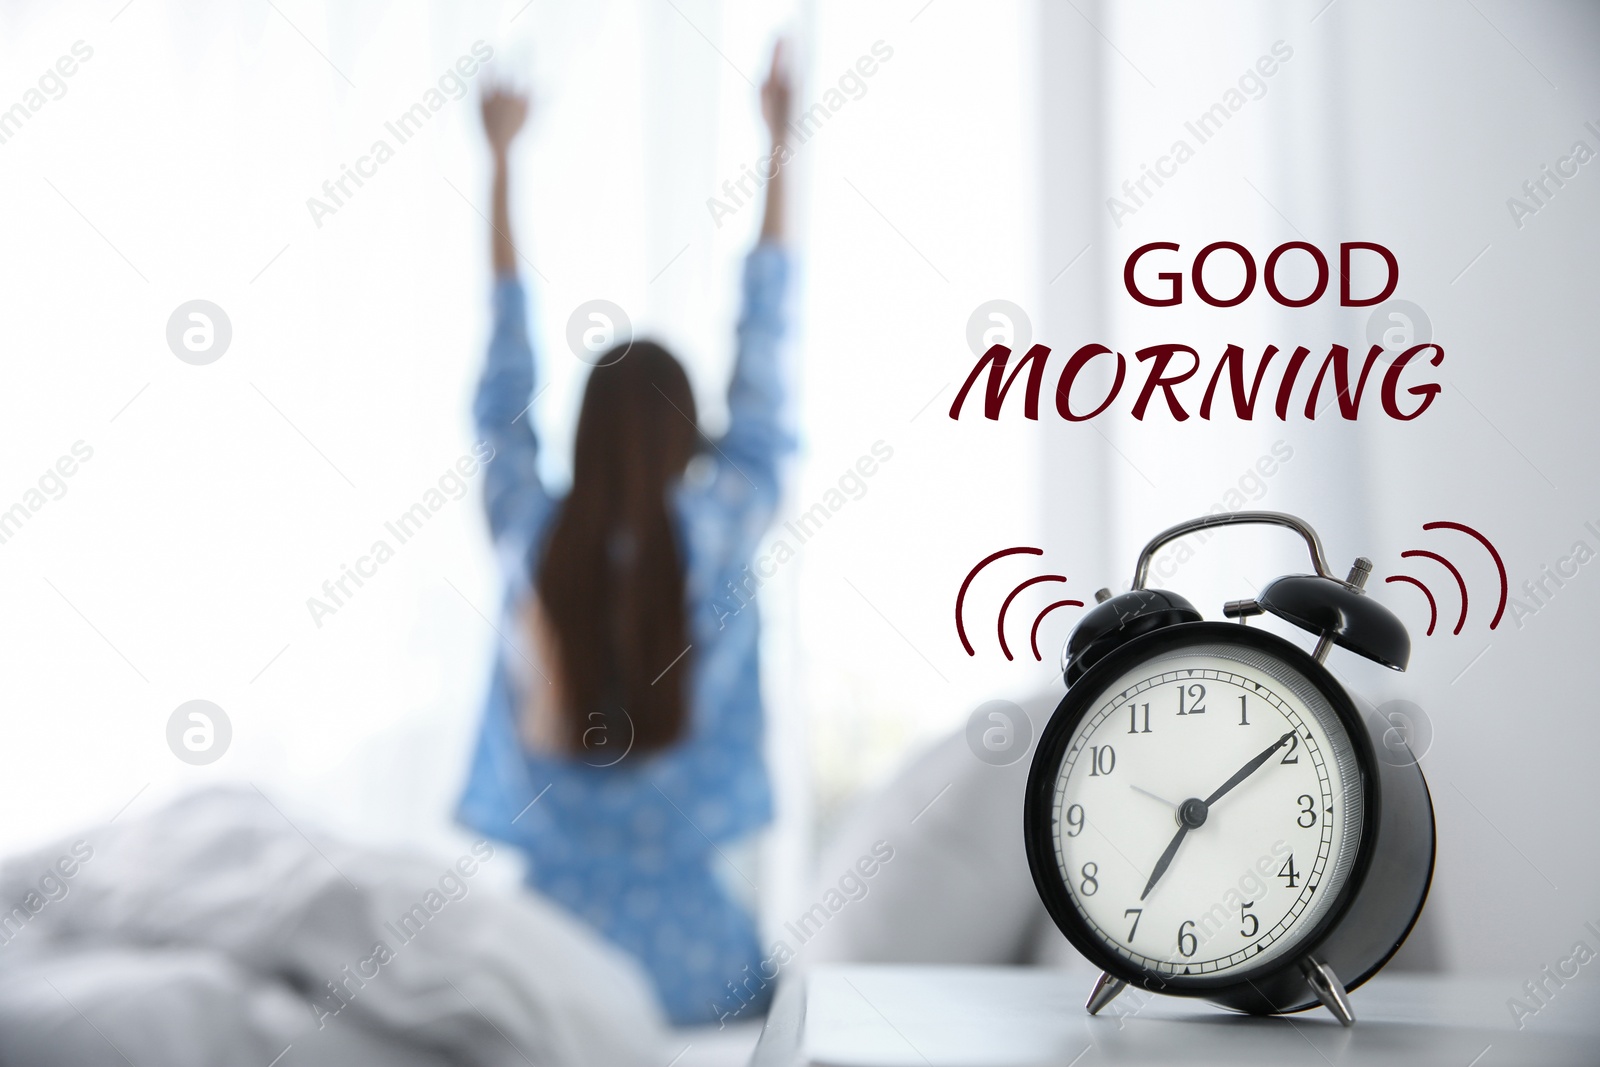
x,y
957,888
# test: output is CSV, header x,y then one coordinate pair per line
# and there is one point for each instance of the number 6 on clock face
x,y
1207,809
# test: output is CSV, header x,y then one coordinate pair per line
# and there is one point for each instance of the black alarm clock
x,y
1206,813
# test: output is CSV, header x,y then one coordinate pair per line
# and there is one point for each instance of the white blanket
x,y
215,933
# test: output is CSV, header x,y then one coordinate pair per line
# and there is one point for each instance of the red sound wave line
x,y
961,596
1505,587
1033,635
1451,567
1433,609
1000,626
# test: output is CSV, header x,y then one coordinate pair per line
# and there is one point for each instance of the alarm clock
x,y
1206,813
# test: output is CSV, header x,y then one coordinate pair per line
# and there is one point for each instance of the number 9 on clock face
x,y
1206,812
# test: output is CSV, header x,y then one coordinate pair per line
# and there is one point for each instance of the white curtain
x,y
177,163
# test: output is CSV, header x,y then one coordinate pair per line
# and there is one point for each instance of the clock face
x,y
1206,811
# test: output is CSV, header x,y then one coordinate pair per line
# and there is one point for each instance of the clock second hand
x,y
1192,813
1152,796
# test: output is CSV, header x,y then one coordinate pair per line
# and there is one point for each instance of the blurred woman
x,y
622,742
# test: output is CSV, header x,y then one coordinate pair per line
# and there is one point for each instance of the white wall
x,y
1438,140
1409,127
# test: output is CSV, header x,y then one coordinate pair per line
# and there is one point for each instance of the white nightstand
x,y
893,1016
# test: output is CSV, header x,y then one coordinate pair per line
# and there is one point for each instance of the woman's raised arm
x,y
759,431
514,496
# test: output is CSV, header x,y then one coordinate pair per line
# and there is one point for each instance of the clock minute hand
x,y
1249,768
1192,812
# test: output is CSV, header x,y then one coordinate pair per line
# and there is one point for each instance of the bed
x,y
213,933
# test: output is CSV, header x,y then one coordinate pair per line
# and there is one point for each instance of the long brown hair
x,y
612,578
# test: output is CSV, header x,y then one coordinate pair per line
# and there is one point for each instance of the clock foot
x,y
1326,985
1105,991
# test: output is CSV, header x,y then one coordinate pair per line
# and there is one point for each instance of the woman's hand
x,y
776,101
776,94
504,112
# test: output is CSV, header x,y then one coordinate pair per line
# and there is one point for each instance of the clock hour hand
x,y
1165,861
1249,768
1191,816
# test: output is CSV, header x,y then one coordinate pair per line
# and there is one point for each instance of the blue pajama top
x,y
631,848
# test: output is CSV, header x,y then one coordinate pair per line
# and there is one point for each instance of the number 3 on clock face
x,y
1206,812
